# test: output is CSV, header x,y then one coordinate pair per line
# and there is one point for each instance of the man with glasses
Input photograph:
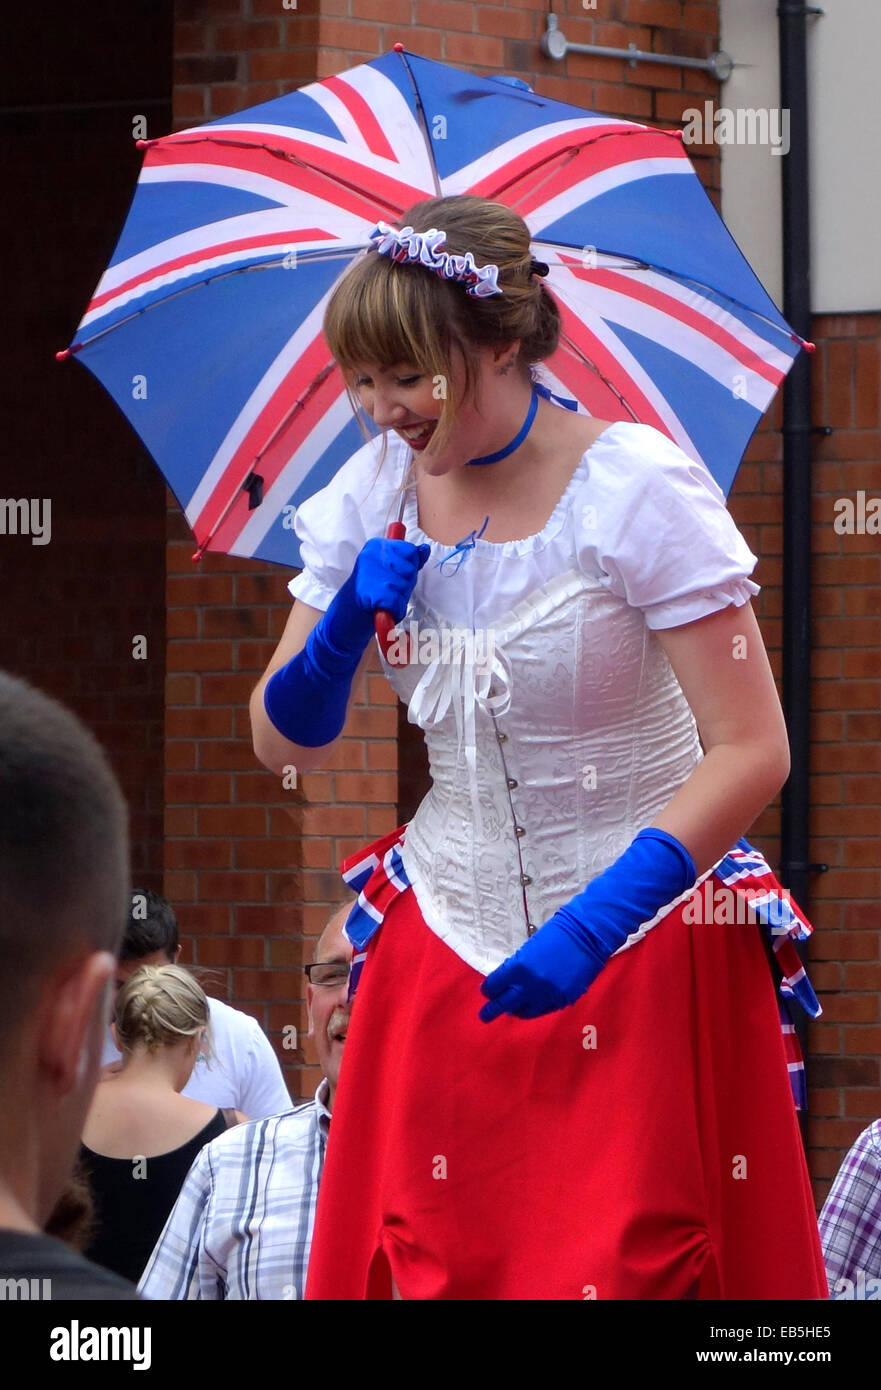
x,y
242,1225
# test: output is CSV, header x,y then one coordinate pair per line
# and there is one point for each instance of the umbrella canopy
x,y
206,326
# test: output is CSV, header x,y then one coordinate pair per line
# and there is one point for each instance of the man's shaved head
x,y
64,871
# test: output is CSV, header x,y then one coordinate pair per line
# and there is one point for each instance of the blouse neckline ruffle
x,y
527,544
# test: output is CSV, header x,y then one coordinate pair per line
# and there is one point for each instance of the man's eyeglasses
x,y
331,974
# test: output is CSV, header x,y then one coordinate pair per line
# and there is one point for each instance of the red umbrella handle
x,y
383,620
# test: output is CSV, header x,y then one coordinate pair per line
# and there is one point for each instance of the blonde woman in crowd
x,y
141,1135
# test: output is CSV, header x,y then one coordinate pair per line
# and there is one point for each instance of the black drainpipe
x,y
797,488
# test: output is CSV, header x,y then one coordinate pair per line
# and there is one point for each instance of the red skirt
x,y
642,1144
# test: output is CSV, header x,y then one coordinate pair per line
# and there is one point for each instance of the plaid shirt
x,y
850,1222
242,1225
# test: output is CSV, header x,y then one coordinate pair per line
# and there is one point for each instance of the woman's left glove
x,y
556,966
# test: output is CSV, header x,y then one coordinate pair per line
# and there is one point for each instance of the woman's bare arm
x,y
722,666
274,750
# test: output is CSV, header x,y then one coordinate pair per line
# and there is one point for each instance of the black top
x,y
40,1267
133,1197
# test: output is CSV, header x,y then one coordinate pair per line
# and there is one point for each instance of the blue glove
x,y
307,699
556,966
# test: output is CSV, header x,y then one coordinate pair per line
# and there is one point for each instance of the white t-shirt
x,y
245,1073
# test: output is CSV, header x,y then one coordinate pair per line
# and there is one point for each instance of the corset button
x,y
525,880
531,929
519,831
512,783
502,738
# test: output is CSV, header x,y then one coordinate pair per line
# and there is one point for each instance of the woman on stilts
x,y
560,1082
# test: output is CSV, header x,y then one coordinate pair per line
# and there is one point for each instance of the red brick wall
x,y
846,752
845,826
844,1069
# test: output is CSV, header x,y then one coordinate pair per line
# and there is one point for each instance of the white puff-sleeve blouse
x,y
559,730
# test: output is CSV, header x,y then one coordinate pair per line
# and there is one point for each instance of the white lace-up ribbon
x,y
459,680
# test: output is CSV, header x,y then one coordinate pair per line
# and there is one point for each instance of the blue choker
x,y
518,438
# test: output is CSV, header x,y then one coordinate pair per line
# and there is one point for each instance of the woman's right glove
x,y
307,699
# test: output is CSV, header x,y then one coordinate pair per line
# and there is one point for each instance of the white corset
x,y
595,732
595,735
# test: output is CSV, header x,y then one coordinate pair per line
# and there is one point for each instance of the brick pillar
x,y
846,753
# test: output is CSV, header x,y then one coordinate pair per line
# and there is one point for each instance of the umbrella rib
x,y
572,150
325,254
576,351
294,159
570,155
299,404
681,278
423,126
763,318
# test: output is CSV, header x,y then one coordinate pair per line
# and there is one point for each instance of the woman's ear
x,y
502,354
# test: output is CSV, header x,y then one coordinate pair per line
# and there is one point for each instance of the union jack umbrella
x,y
206,326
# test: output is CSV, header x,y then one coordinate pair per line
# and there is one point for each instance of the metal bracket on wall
x,y
554,44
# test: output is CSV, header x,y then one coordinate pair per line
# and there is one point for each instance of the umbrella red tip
x,y
398,47
63,355
808,347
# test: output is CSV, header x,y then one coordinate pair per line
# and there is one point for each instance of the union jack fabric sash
x,y
794,1061
778,914
378,875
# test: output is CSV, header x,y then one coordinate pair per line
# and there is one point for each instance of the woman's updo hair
x,y
158,1006
388,313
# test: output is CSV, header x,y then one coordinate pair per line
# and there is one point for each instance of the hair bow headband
x,y
423,248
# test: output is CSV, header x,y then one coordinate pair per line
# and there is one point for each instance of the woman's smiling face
x,y
399,398
403,399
